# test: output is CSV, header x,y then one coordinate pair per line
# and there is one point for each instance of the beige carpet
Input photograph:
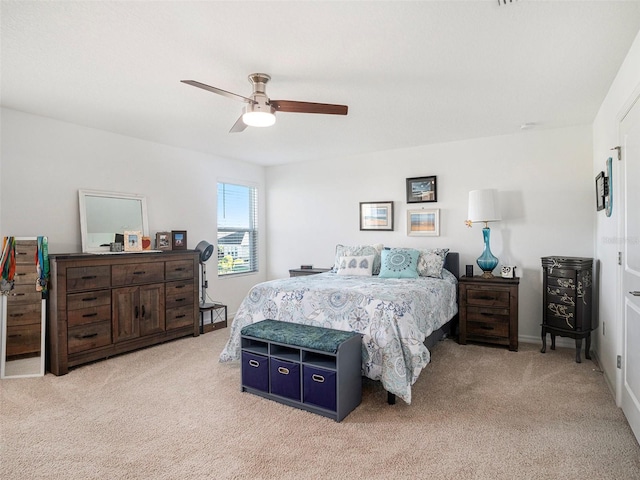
x,y
173,412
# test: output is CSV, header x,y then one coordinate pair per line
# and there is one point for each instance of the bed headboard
x,y
452,263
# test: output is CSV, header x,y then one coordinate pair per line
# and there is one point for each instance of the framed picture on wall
x,y
422,189
178,239
163,241
423,222
600,180
133,241
376,216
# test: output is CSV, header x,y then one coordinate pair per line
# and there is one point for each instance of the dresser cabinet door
x,y
152,309
126,313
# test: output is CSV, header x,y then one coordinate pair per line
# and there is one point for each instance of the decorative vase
x,y
487,261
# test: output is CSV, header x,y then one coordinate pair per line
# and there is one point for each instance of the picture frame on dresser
x,y
178,239
376,216
422,189
423,222
163,241
133,241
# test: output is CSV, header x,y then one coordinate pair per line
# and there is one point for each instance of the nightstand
x,y
488,310
299,272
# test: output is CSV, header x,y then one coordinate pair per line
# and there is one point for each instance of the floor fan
x,y
206,250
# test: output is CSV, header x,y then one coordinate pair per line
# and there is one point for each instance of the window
x,y
237,229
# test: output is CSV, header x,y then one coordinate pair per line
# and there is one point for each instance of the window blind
x,y
237,229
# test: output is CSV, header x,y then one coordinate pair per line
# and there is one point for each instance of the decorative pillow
x,y
358,251
431,262
399,263
356,265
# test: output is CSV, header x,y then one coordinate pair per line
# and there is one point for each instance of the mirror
x,y
103,214
22,317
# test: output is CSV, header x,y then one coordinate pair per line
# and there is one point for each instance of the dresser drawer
x,y
88,278
179,288
24,314
561,282
26,274
561,273
23,339
89,336
179,269
562,296
137,273
77,301
488,297
24,294
89,315
488,329
26,252
180,317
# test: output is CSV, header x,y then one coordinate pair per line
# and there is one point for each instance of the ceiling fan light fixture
x,y
259,115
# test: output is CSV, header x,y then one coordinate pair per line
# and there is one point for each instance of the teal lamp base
x,y
487,261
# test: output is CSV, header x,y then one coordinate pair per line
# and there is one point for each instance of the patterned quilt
x,y
393,315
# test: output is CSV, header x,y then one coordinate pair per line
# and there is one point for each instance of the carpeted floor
x,y
173,412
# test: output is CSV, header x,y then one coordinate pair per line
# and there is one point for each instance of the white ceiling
x,y
412,73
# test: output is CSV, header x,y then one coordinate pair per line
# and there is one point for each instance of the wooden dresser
x,y
103,305
300,272
489,310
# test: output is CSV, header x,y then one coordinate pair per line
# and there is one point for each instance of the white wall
x,y
45,162
546,189
623,90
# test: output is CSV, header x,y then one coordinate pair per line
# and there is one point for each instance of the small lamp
x,y
483,207
206,250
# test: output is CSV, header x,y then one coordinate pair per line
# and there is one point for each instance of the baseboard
x,y
560,341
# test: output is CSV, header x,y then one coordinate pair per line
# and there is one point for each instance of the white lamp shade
x,y
483,206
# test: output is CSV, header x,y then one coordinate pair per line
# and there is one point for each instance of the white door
x,y
630,142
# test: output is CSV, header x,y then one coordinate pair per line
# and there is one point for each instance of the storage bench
x,y
313,368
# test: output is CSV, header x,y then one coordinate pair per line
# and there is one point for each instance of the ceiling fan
x,y
259,110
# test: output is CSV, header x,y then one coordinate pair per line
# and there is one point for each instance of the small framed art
x,y
376,215
178,239
600,191
133,241
422,189
163,241
423,222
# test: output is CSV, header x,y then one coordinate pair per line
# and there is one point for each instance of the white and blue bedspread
x,y
393,315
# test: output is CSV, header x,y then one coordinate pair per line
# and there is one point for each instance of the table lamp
x,y
483,207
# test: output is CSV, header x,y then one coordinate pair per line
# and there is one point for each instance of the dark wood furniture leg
x,y
391,398
587,347
578,348
544,341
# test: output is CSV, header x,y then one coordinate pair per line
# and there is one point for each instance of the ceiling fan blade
x,y
239,126
308,107
219,91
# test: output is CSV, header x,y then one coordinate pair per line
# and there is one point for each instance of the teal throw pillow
x,y
399,263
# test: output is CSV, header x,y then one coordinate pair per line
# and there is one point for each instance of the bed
x,y
397,317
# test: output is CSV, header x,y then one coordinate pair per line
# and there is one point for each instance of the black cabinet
x,y
568,299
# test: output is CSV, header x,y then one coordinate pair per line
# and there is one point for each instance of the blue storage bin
x,y
285,378
319,387
255,371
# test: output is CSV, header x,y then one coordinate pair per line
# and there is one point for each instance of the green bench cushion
x,y
305,336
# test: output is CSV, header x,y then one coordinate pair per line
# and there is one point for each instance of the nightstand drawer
x,y
487,329
488,297
483,314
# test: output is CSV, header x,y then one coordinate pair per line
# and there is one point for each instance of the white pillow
x,y
359,250
353,265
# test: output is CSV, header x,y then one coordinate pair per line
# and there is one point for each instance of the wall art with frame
x,y
422,189
376,216
600,191
178,239
423,222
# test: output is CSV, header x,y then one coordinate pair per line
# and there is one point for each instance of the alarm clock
x,y
508,272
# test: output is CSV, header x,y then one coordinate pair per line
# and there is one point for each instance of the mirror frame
x,y
3,334
83,194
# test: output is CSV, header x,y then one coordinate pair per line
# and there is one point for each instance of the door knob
x,y
635,293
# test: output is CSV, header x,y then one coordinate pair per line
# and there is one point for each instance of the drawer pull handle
x,y
635,293
180,269
180,316
87,315
485,327
89,277
88,335
20,274
179,286
14,335
180,299
254,363
89,299
283,371
317,378
16,314
143,311
18,294
136,312
139,273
